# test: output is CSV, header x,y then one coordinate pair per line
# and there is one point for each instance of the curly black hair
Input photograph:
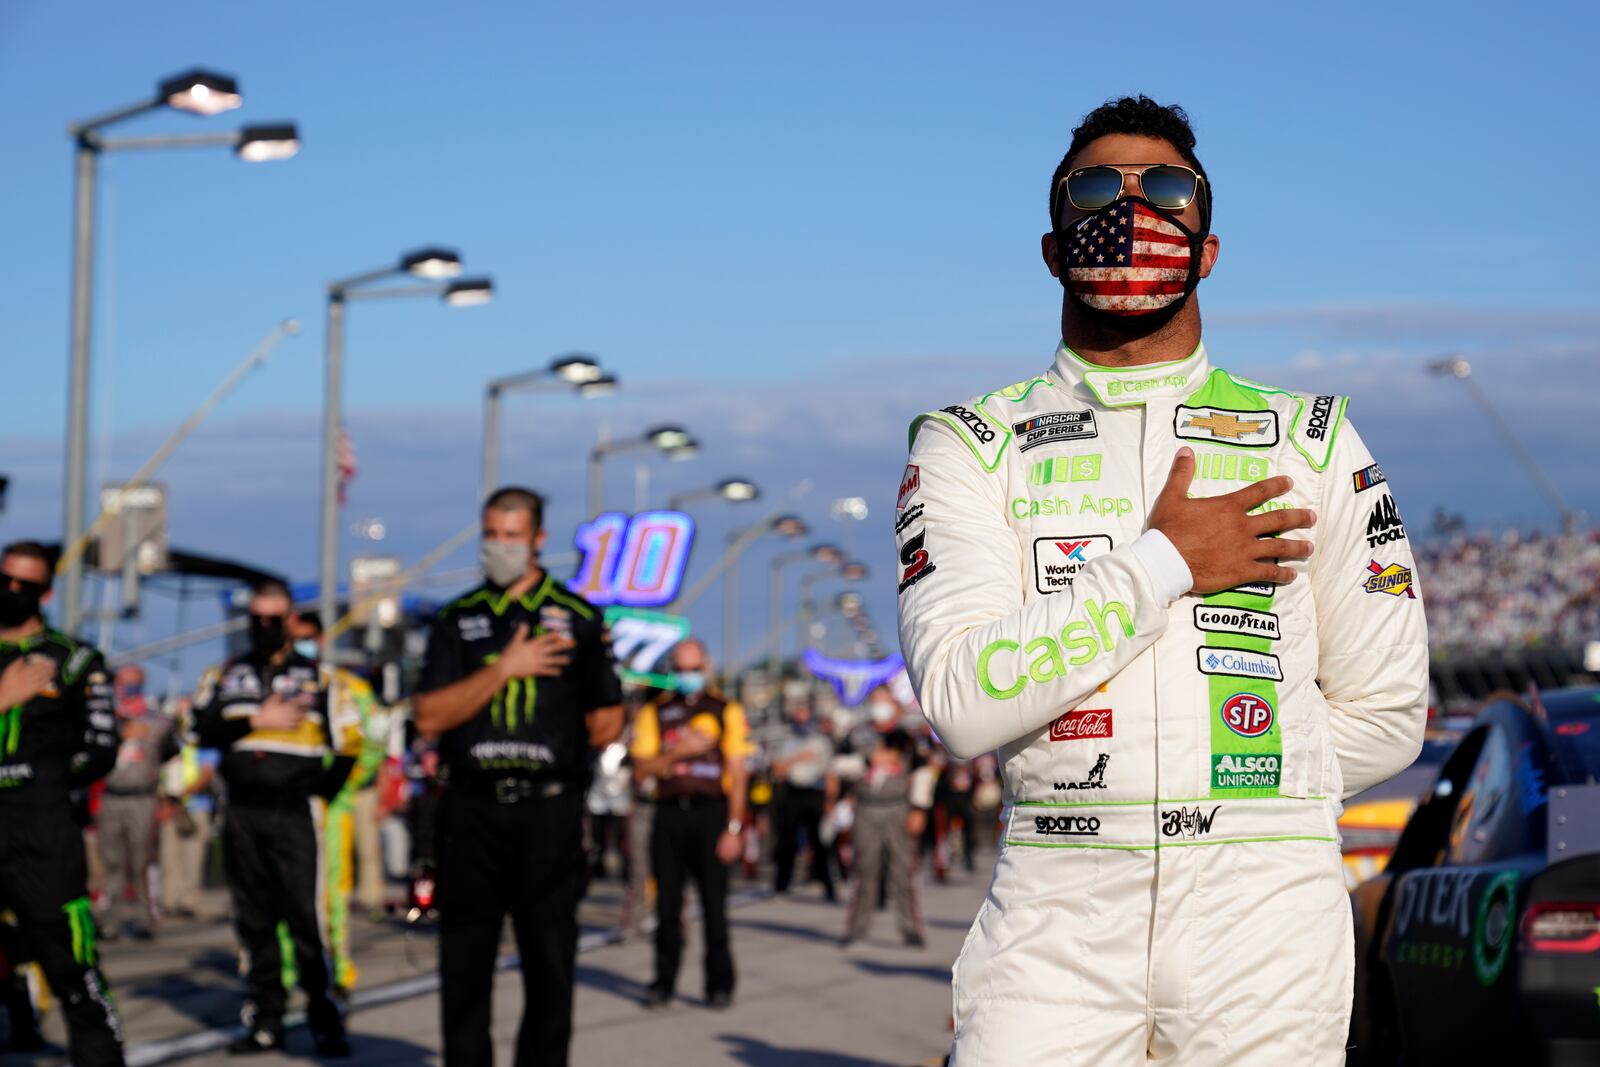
x,y
1138,115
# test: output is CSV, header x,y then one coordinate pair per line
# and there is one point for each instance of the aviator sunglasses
x,y
1166,185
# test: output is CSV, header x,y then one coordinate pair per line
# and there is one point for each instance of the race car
x,y
1373,818
1480,941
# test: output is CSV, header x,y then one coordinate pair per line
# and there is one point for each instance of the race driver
x,y
1093,581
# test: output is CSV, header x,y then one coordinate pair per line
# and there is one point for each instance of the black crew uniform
x,y
63,739
269,836
510,836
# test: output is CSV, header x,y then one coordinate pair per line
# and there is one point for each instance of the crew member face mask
x,y
1130,261
505,561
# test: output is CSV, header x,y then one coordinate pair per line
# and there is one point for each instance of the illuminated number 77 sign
x,y
637,560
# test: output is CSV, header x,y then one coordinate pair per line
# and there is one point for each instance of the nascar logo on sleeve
x,y
1367,477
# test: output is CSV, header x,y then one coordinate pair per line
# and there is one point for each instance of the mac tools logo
x,y
1057,560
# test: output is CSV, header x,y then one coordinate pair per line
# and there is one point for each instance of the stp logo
x,y
1247,715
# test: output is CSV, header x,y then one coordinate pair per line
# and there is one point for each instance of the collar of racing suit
x,y
1128,386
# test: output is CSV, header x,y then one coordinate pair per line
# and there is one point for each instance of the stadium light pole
x,y
1458,368
199,92
674,442
740,539
733,490
578,372
851,571
828,554
439,269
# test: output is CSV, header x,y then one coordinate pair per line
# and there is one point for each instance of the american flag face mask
x,y
1130,260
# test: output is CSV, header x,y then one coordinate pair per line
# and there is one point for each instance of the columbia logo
x,y
1213,661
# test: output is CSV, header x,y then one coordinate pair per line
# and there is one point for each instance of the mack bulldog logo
x,y
1077,725
1188,822
1095,780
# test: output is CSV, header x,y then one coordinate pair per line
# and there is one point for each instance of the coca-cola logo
x,y
1077,725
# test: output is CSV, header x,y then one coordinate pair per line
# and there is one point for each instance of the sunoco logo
x,y
1067,825
1229,771
975,423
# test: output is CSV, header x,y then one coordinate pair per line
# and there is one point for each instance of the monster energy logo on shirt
x,y
517,695
11,729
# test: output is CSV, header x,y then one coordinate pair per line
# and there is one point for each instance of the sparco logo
x,y
1187,822
975,423
1321,408
1077,725
1067,825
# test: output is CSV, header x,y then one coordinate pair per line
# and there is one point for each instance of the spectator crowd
x,y
1509,590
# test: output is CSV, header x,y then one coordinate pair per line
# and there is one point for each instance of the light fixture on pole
x,y
785,526
671,441
733,490
852,571
578,372
827,554
439,270
1458,368
200,92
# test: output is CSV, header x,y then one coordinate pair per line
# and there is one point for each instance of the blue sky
x,y
829,200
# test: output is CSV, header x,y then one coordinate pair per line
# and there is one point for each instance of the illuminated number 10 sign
x,y
637,560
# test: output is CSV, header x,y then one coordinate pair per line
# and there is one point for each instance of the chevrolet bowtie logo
x,y
1224,425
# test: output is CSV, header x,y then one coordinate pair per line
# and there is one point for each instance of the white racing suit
x,y
1169,888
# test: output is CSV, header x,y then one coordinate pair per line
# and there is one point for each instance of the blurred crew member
x,y
58,732
694,743
126,824
886,828
800,767
185,834
517,685
350,824
267,712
